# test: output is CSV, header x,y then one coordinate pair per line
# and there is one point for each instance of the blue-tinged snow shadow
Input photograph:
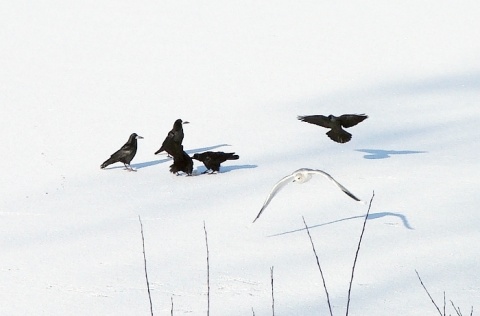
x,y
159,161
225,169
202,149
382,154
235,167
139,165
149,163
371,216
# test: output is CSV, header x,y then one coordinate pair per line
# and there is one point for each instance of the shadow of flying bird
x,y
371,216
382,153
300,176
174,137
124,154
213,159
335,124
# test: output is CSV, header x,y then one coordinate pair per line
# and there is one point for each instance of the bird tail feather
x,y
107,162
159,151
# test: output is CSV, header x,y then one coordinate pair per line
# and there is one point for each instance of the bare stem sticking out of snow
x,y
319,267
356,254
273,298
208,270
354,261
457,309
428,293
145,265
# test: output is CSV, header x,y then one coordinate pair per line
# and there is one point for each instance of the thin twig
x,y
253,312
356,254
208,271
171,310
421,282
273,298
319,267
444,304
457,310
145,265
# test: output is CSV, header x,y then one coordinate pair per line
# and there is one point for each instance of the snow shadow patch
x,y
383,154
225,169
202,149
371,216
159,161
149,163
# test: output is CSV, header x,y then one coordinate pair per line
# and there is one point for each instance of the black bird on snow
x,y
124,154
335,124
181,161
174,137
213,159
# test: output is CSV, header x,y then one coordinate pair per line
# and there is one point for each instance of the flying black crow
x,y
124,154
213,159
181,161
335,123
175,136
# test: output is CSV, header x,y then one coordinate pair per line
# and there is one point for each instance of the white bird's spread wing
x,y
323,173
280,184
283,182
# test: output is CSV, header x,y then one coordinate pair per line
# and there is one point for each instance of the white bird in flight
x,y
300,176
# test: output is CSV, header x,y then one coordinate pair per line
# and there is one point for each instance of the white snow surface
x,y
78,77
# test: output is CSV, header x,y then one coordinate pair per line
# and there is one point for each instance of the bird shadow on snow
x,y
371,216
149,163
202,149
382,154
225,169
141,165
146,164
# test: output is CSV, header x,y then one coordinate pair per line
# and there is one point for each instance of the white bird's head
x,y
301,177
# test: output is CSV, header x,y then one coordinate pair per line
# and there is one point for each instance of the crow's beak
x,y
139,137
186,122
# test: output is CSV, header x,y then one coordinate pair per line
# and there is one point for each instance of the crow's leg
x,y
128,167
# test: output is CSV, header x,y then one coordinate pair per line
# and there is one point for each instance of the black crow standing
x,y
124,154
181,161
335,124
174,137
213,159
